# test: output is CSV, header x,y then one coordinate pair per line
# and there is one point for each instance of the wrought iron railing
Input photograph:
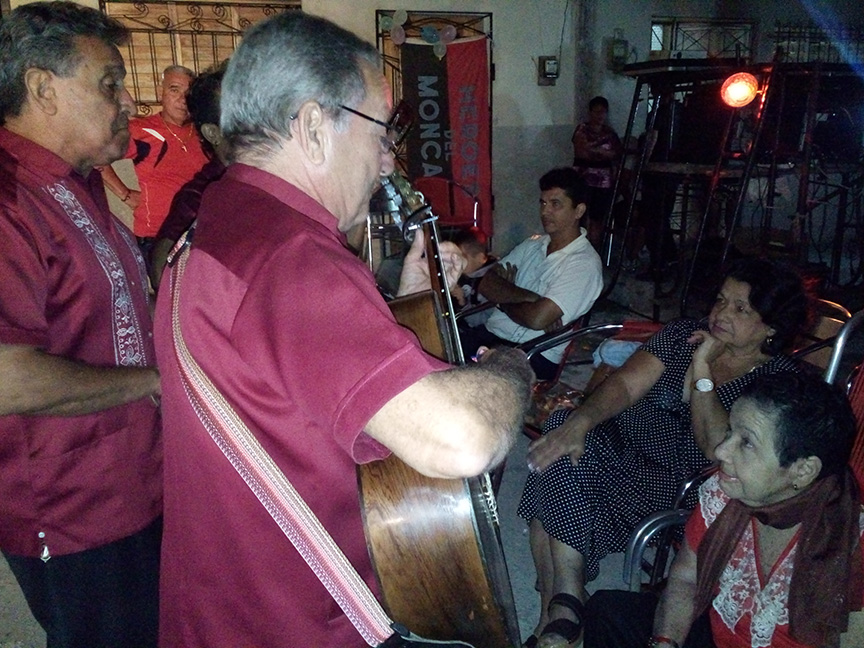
x,y
674,38
811,44
195,34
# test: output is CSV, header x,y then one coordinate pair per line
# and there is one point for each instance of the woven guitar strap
x,y
271,487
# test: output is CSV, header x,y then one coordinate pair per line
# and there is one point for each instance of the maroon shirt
x,y
289,326
184,207
74,286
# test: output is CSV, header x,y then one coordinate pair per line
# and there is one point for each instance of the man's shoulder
x,y
8,176
137,125
533,242
580,250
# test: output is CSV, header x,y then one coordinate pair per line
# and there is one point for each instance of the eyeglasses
x,y
396,128
390,140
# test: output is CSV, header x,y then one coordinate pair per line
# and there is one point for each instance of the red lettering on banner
x,y
469,131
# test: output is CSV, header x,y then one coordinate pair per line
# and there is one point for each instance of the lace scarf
x,y
826,579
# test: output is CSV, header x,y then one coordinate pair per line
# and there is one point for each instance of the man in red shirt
x,y
167,153
80,452
288,325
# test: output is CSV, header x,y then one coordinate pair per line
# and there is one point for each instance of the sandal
x,y
568,630
531,642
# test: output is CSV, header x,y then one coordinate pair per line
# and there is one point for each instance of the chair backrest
x,y
453,204
853,383
814,347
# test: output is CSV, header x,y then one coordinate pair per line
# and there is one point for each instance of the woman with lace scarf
x,y
772,554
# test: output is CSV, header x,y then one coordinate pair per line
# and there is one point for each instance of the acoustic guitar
x,y
435,543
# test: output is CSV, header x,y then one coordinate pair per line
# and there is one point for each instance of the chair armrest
x,y
564,335
840,345
695,480
639,539
473,310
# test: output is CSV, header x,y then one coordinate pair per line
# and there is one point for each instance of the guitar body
x,y
435,543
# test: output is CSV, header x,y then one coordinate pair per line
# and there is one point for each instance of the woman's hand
x,y
568,438
708,349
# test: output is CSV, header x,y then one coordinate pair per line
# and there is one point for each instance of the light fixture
x,y
739,89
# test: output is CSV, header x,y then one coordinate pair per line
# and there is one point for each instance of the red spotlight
x,y
739,89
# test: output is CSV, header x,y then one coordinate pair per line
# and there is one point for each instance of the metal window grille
x,y
671,37
194,34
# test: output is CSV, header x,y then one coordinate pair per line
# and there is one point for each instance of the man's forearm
x,y
499,290
114,183
461,421
537,315
503,393
39,384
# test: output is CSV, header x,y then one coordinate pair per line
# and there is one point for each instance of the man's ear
x,y
805,471
312,132
212,134
41,90
580,211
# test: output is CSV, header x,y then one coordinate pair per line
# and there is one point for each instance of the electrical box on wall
x,y
547,70
617,51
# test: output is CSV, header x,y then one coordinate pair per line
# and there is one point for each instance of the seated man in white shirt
x,y
546,280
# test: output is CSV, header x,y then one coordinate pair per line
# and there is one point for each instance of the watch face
x,y
704,385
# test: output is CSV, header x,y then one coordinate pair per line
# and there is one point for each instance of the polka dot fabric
x,y
634,462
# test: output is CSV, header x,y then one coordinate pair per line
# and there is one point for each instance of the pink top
x,y
289,326
74,286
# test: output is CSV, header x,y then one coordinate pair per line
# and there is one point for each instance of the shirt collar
x,y
287,193
31,154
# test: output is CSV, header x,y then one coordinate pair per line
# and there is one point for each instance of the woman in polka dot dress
x,y
603,467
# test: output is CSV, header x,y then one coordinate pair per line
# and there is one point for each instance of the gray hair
x,y
178,69
282,63
42,35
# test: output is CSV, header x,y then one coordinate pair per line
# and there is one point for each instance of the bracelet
x,y
126,197
657,641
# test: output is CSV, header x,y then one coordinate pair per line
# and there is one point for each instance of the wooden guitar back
x,y
435,543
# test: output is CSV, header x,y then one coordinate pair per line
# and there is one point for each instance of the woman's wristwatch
x,y
658,641
704,385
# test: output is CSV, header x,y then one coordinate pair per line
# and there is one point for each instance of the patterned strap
x,y
273,489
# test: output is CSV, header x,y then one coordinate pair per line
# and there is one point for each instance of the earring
x,y
769,339
795,486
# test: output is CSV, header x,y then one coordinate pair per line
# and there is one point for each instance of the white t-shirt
x,y
572,277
